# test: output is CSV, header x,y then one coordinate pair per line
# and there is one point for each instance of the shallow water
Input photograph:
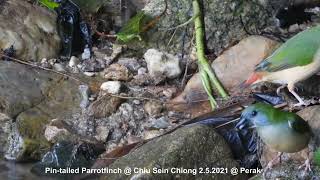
x,y
17,171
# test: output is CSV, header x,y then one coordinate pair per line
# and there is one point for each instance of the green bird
x,y
295,60
280,130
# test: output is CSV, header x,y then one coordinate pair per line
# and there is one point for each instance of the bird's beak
x,y
241,124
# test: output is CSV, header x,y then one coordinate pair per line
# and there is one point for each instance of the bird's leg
x,y
306,165
291,90
309,154
274,161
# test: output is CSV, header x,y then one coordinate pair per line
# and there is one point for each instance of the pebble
x,y
86,54
161,123
74,61
153,108
59,67
131,63
161,63
142,71
90,74
84,91
112,87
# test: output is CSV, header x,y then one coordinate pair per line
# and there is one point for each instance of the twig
x,y
39,67
185,23
183,81
101,34
174,33
135,97
224,124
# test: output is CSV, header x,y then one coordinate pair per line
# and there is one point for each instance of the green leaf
x,y
49,4
133,29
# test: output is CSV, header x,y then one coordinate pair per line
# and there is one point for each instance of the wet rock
x,y
162,64
116,72
232,68
112,87
153,108
160,123
130,63
290,162
32,98
104,106
68,155
188,148
30,29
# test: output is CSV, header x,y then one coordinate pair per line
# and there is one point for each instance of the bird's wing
x,y
299,125
297,51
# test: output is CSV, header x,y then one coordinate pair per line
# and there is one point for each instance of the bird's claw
x,y
306,165
299,104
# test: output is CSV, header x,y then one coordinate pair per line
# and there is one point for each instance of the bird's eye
x,y
254,113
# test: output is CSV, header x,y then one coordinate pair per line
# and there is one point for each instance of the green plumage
x,y
297,51
270,115
283,131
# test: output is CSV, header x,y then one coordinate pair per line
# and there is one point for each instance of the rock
x,y
162,64
67,154
188,148
151,134
102,133
237,63
130,63
73,62
30,29
84,91
169,92
160,123
5,129
112,87
290,162
32,97
104,106
232,68
55,133
89,74
142,71
116,72
86,54
153,108
92,65
59,67
226,22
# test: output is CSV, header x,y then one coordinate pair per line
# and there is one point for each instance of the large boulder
x,y
193,147
232,68
31,29
226,22
33,97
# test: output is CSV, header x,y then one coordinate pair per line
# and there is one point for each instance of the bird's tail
x,y
251,80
